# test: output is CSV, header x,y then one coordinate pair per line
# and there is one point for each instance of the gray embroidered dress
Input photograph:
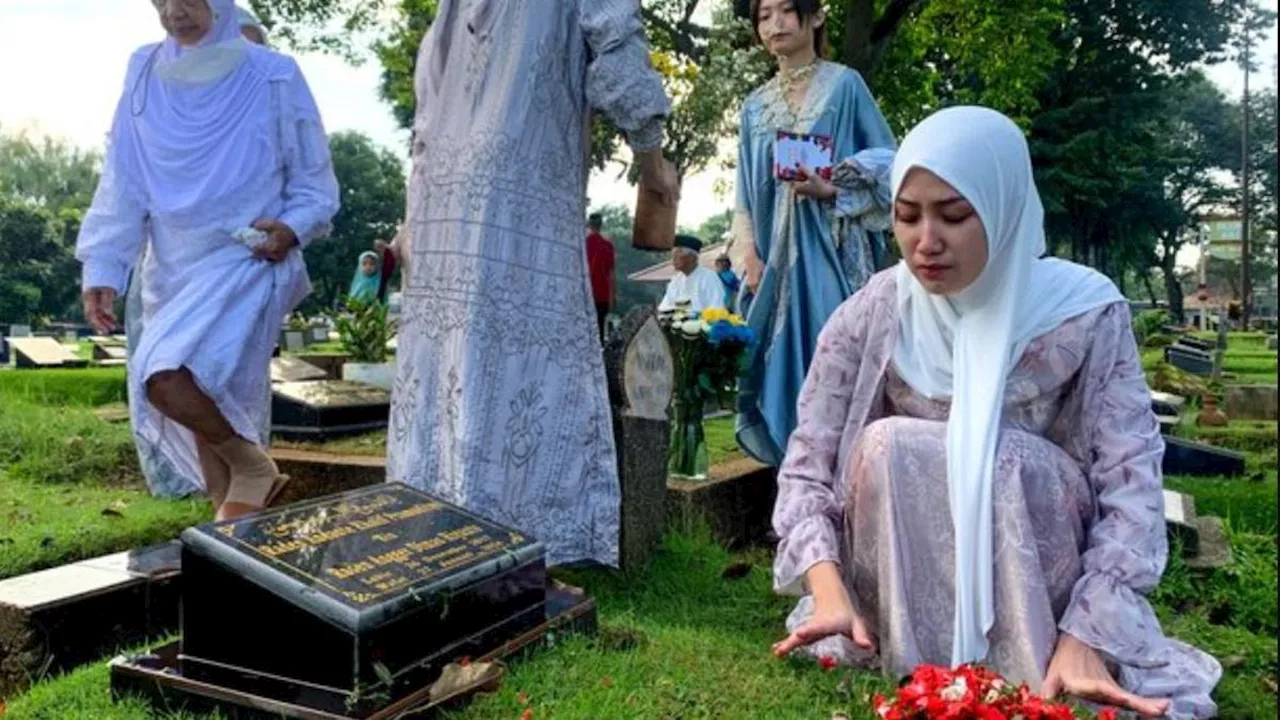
x,y
500,402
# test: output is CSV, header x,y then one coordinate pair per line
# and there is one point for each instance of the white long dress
x,y
500,402
187,166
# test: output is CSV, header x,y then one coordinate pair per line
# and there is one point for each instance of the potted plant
x,y
364,331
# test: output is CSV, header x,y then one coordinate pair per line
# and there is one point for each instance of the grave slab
x,y
1183,457
58,619
331,363
293,340
162,679
1179,518
1214,549
104,351
382,586
1167,404
43,352
1189,360
288,368
320,409
1251,402
1195,343
641,371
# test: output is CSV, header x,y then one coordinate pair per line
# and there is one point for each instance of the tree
x,y
50,174
1103,119
918,55
32,249
1187,154
55,181
373,201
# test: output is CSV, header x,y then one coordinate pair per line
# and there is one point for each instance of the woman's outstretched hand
x,y
833,614
1077,669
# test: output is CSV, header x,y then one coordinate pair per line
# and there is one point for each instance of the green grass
x,y
70,487
82,387
722,443
48,524
677,639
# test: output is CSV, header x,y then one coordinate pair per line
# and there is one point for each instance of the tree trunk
x,y
1173,288
856,50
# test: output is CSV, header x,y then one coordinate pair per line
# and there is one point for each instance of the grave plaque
x,y
357,598
287,368
109,352
1189,360
43,352
648,372
327,408
1195,343
1183,457
641,371
293,340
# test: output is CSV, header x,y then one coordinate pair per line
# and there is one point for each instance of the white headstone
x,y
648,373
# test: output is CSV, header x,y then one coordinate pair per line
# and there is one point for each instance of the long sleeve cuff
x,y
102,273
812,541
647,137
1110,617
304,225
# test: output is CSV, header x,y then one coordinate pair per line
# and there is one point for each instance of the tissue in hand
x,y
250,237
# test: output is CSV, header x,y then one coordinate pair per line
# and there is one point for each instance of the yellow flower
x,y
715,315
736,320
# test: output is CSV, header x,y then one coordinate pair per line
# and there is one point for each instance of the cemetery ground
x,y
686,637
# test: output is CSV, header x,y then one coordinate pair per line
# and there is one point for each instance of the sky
x,y
64,60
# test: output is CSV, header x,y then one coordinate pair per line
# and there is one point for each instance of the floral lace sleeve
x,y
1127,546
808,514
620,80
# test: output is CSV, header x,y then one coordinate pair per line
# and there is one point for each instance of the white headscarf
x,y
962,347
220,51
197,121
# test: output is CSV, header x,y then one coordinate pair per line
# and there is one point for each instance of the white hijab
x,y
221,50
963,346
197,120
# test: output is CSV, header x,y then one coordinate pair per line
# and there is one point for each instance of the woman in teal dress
x,y
366,281
807,244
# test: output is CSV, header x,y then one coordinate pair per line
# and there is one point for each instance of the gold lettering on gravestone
x,y
365,579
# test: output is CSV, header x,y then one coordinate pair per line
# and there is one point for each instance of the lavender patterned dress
x,y
1079,518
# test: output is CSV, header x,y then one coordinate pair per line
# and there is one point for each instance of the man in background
x,y
600,265
693,284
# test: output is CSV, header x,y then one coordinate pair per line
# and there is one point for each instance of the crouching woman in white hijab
x,y
217,163
976,472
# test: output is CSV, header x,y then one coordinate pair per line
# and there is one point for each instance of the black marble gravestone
x,y
1189,359
1183,457
327,408
355,599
